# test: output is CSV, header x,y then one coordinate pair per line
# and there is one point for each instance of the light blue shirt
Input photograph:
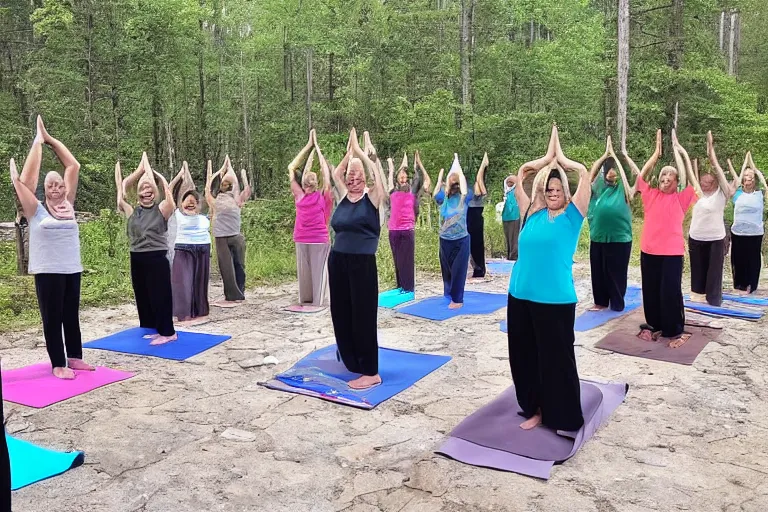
x,y
544,269
453,215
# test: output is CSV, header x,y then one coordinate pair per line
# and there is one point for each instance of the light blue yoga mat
x,y
633,299
475,303
746,299
132,341
30,463
724,311
499,266
503,326
392,298
320,375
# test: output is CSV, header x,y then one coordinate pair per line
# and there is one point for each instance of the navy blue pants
x,y
454,258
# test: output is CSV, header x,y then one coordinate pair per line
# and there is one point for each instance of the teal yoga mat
x,y
31,463
393,298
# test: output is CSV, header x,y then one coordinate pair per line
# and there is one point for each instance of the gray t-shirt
x,y
54,244
147,230
226,220
477,201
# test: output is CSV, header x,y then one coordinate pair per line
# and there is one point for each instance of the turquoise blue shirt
x,y
511,210
453,215
544,269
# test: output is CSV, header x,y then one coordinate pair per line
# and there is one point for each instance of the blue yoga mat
x,y
131,341
475,303
633,299
30,463
503,326
746,299
320,375
393,298
500,266
723,311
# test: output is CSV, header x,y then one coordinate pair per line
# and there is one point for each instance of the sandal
x,y
680,340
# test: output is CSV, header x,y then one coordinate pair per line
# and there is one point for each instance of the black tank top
x,y
356,226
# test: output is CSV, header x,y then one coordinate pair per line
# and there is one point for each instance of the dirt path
x,y
687,438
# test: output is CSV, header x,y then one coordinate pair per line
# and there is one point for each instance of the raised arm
x,y
624,181
565,162
649,165
246,193
377,194
523,201
418,165
325,167
729,189
133,178
122,204
390,178
26,197
30,173
418,178
540,163
298,163
583,191
479,187
167,205
736,178
67,159
593,171
438,183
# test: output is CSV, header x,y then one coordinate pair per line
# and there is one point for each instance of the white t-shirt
x,y
708,219
54,245
748,213
192,229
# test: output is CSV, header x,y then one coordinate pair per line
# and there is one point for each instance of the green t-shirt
x,y
609,216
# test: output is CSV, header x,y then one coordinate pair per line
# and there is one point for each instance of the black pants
x,y
662,278
707,268
354,287
5,463
151,278
475,225
58,296
745,261
543,363
609,263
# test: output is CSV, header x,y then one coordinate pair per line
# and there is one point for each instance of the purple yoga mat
x,y
624,340
35,385
491,436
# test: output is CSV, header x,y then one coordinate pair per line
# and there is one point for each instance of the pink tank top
x,y
402,216
313,211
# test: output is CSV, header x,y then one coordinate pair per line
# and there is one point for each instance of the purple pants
x,y
403,244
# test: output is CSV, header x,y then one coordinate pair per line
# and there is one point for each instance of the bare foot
x,y
596,307
189,322
698,297
150,336
160,340
79,364
64,373
532,422
225,303
645,335
364,382
455,305
679,342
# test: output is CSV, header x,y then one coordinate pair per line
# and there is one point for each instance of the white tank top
x,y
748,213
707,221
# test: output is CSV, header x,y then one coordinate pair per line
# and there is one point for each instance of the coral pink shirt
x,y
313,212
402,215
663,223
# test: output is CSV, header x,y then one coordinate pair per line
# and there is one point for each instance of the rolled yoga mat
x,y
730,312
31,463
35,385
491,437
624,340
132,341
633,299
320,375
393,298
475,303
746,299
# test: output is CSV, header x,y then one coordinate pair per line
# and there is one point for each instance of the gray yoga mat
x,y
491,437
624,340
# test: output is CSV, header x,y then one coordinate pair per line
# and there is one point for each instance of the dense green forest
x,y
195,79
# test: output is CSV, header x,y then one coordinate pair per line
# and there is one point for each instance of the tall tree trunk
x,y
675,54
89,65
464,51
330,76
722,29
201,102
309,88
623,68
156,128
732,45
246,129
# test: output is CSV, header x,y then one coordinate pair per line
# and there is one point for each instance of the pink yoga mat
x,y
35,385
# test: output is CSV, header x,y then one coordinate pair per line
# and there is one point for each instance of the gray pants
x,y
312,272
230,251
511,232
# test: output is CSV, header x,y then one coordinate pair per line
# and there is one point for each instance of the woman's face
x,y
54,187
668,180
309,182
510,181
554,194
146,194
355,180
226,185
610,176
190,205
708,183
453,184
402,178
748,180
